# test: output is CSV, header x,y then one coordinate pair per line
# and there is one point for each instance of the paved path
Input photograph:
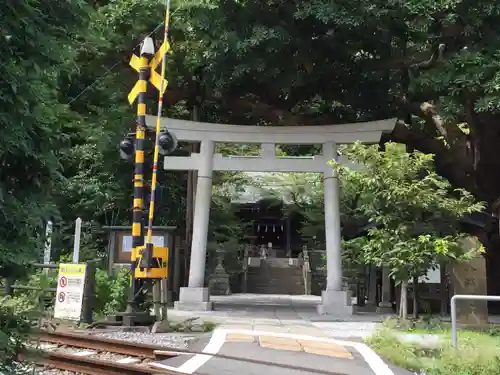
x,y
285,331
297,349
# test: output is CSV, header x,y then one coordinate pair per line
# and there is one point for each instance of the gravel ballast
x,y
167,340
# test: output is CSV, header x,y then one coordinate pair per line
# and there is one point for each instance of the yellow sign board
x,y
69,294
160,256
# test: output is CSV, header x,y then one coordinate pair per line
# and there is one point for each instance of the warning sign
x,y
63,282
69,293
61,297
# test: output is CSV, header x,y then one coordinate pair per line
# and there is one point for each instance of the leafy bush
x,y
111,291
16,314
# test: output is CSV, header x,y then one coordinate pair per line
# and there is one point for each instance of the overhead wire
x,y
118,61
108,71
105,74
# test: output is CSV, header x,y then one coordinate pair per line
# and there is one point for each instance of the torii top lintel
x,y
194,131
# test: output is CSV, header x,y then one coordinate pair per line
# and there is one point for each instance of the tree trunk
x,y
443,290
415,298
403,304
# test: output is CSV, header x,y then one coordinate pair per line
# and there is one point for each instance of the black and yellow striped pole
x,y
147,261
140,89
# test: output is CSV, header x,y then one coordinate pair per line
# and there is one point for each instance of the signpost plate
x,y
70,287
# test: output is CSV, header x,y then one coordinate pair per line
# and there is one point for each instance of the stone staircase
x,y
273,277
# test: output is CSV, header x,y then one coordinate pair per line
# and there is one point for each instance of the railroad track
x,y
87,354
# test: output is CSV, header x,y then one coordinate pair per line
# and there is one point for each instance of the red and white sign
x,y
69,295
63,281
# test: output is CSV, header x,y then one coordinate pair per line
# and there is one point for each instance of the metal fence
x,y
466,297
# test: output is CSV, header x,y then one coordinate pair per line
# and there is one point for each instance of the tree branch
x,y
249,104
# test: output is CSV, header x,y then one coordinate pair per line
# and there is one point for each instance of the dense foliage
x,y
290,63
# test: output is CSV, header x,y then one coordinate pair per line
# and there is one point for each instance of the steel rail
x,y
99,343
103,344
90,366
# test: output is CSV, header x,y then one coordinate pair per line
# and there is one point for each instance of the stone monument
x,y
470,278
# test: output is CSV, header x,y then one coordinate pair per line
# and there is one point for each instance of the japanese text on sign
x,y
69,295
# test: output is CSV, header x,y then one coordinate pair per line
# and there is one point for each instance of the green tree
x,y
38,42
98,185
416,212
433,65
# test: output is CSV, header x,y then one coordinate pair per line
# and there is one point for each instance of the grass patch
x,y
478,353
424,325
192,325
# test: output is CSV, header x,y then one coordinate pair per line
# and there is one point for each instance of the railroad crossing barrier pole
x,y
467,297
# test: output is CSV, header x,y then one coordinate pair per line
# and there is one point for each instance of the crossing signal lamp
x,y
167,143
126,149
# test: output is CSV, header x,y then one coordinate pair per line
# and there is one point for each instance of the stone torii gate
x,y
335,300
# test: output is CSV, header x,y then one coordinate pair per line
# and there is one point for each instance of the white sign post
x,y
76,244
48,245
70,288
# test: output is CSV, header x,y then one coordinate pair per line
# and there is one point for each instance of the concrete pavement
x,y
283,348
285,334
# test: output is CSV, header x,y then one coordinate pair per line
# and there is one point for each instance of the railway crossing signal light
x,y
167,143
126,149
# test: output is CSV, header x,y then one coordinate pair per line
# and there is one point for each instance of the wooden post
x,y
88,302
443,290
7,286
246,255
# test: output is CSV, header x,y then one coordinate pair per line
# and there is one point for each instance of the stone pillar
x,y
334,300
385,305
196,296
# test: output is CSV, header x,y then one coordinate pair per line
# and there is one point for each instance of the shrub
x,y
16,314
111,291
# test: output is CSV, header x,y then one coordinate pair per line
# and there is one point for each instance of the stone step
x,y
275,280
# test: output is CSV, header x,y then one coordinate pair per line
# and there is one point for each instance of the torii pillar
x,y
196,295
334,300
